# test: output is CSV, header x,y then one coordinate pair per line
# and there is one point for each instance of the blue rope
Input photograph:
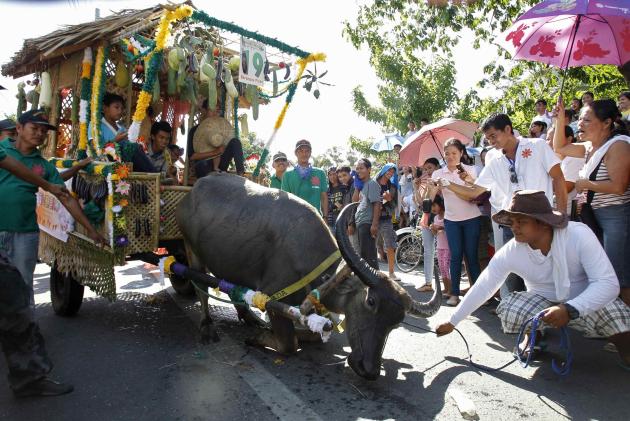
x,y
561,369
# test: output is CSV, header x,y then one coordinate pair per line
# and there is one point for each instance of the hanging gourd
x,y
255,102
242,120
45,95
229,83
21,97
121,77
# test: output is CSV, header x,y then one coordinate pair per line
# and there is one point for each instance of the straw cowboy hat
x,y
534,204
212,133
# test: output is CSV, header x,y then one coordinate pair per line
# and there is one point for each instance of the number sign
x,y
252,68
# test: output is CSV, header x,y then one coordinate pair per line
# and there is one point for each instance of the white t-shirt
x,y
534,160
545,117
456,209
593,280
571,167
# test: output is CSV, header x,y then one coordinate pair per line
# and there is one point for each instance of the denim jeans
x,y
21,249
463,240
428,242
615,223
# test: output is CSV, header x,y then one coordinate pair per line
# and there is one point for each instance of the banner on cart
x,y
252,68
52,216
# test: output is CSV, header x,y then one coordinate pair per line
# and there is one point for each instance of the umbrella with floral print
x,y
572,33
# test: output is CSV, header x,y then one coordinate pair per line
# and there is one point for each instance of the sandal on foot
x,y
453,301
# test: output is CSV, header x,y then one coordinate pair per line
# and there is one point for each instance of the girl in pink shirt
x,y
443,252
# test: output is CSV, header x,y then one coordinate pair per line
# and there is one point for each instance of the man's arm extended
x,y
19,170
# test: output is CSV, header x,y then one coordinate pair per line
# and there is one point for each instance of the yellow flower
x,y
144,100
86,69
59,164
98,169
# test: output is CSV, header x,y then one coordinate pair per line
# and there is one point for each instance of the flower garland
x,y
98,89
136,47
202,17
302,63
163,31
84,104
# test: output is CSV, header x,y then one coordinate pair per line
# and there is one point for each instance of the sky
x,y
312,26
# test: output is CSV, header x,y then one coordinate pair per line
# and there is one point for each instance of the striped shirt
x,y
601,200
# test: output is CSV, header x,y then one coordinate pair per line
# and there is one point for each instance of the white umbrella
x,y
388,142
428,142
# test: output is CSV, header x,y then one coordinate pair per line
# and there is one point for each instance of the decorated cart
x,y
166,59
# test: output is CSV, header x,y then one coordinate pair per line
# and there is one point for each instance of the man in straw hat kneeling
x,y
566,272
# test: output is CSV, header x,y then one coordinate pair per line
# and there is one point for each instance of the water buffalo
x,y
266,240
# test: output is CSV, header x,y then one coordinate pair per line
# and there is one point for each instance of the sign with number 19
x,y
252,68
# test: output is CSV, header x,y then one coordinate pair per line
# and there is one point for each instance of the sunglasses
x,y
513,176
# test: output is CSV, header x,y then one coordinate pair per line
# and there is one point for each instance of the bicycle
x,y
410,251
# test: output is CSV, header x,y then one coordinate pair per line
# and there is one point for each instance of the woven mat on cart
x,y
143,218
170,196
88,264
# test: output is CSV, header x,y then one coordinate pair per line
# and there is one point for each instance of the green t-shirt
x,y
3,154
309,189
17,197
276,183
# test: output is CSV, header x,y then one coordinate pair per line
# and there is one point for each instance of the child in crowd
x,y
443,252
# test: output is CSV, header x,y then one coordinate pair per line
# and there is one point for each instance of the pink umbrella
x,y
428,142
572,33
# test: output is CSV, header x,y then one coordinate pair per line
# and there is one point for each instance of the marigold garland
x,y
98,89
84,105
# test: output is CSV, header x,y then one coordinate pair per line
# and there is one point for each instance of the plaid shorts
x,y
614,318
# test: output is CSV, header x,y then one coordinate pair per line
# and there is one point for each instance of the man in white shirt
x,y
526,164
541,113
565,269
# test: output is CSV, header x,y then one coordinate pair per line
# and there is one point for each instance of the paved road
x,y
138,359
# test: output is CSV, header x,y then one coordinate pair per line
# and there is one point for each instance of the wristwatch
x,y
573,313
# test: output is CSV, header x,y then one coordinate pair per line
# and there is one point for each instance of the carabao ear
x,y
337,300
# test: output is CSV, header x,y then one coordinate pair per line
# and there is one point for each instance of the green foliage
x,y
335,156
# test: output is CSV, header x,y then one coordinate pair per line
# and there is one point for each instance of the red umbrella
x,y
428,142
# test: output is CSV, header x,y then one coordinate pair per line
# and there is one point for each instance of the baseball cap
x,y
36,117
279,155
301,143
7,124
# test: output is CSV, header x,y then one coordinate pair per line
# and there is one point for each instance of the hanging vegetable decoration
x,y
84,104
161,37
21,97
45,95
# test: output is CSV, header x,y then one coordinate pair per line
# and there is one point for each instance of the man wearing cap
x,y
305,181
7,129
279,164
19,232
566,272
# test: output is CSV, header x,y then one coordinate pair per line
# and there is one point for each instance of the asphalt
x,y
139,358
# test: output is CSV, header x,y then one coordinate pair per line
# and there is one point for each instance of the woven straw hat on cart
x,y
212,133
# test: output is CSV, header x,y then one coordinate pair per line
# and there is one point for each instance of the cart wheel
x,y
66,294
182,286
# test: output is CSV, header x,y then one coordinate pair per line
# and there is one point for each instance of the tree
x,y
335,156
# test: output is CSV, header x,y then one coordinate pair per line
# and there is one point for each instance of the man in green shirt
x,y
279,164
305,181
19,232
7,129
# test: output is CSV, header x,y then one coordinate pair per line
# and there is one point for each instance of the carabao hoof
x,y
208,333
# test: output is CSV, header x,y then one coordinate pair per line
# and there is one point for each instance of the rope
x,y
561,369
470,361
